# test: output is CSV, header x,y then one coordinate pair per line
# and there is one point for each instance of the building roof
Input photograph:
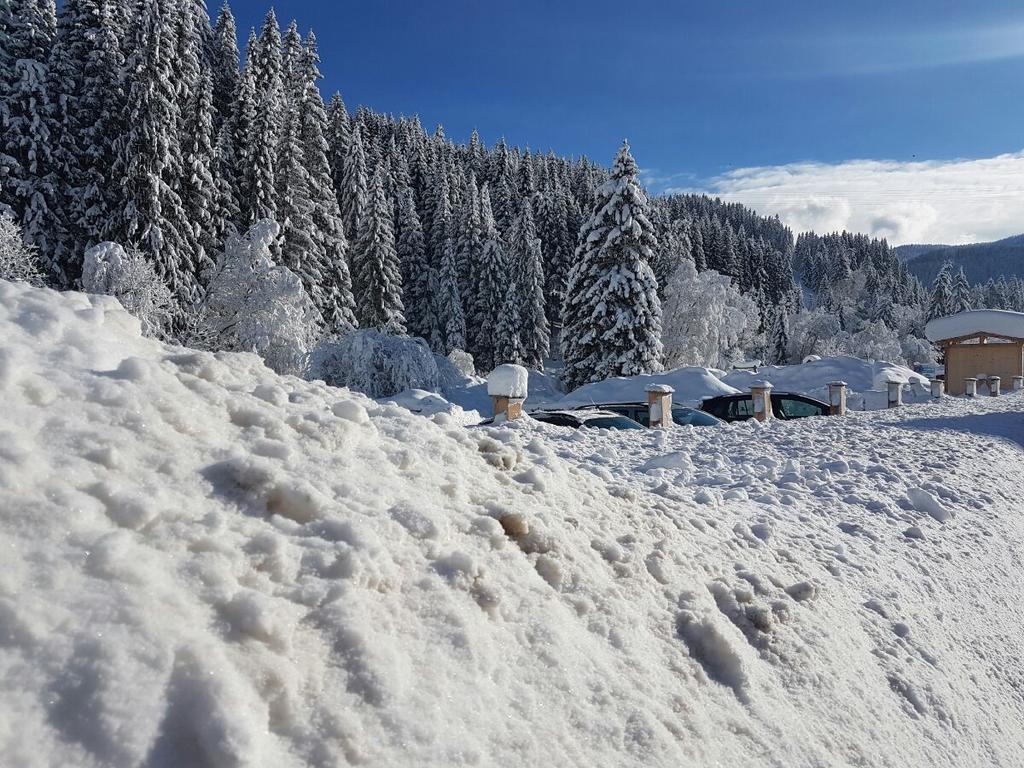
x,y
992,322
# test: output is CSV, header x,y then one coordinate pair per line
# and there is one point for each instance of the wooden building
x,y
978,344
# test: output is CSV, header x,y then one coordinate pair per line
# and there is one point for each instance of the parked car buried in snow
x,y
785,406
590,418
681,414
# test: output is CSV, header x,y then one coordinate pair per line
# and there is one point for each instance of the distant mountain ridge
x,y
981,261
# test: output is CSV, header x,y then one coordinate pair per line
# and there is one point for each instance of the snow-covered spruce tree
x,y
416,271
449,301
470,239
777,338
98,117
109,269
337,142
27,136
353,193
328,229
557,247
960,299
255,305
486,300
528,273
377,278
148,159
611,319
298,251
940,303
705,319
264,130
508,346
224,64
18,260
198,190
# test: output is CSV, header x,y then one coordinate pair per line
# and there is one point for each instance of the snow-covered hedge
x,y
375,364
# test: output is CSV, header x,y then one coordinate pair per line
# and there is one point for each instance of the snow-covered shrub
x,y
706,321
18,261
374,363
110,269
255,305
918,351
463,361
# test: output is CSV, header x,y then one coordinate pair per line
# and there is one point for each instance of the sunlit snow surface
x,y
205,564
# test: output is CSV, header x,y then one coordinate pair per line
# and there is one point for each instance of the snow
x,y
691,385
659,389
813,378
508,380
996,322
207,563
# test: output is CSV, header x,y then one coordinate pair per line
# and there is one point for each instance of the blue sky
x,y
702,90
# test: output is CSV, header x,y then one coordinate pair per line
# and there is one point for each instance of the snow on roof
x,y
997,322
689,385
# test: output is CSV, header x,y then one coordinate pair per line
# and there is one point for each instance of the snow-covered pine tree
x,y
527,271
557,248
264,131
611,319
224,64
469,247
28,135
940,303
778,338
295,210
449,301
484,307
353,194
960,299
508,347
148,164
337,142
198,190
377,278
328,229
224,170
416,271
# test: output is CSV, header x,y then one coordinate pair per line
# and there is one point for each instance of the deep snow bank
x,y
206,564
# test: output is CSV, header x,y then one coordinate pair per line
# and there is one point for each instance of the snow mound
x,y
691,385
997,322
208,564
813,377
508,380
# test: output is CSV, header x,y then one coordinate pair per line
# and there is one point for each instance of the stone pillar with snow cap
x,y
507,386
970,387
895,393
761,394
659,405
993,385
1018,383
837,398
938,388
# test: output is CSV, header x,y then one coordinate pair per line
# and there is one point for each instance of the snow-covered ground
x,y
207,564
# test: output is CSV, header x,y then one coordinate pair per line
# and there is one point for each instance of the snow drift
x,y
208,564
691,385
813,377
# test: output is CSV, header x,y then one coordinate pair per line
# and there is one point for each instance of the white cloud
x,y
936,201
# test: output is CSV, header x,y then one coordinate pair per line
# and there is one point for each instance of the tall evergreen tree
x,y
527,271
449,301
378,286
486,301
353,193
960,296
611,319
224,63
940,303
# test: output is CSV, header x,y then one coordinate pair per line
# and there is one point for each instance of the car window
x,y
691,416
558,419
741,408
795,409
612,422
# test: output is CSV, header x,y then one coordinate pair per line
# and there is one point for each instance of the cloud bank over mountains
x,y
934,201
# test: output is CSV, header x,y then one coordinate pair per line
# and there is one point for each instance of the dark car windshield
x,y
693,417
611,422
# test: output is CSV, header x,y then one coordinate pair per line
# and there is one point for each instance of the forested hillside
x,y
147,127
981,262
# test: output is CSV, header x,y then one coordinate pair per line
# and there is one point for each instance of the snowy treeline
x,y
952,293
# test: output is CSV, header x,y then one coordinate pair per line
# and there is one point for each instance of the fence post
x,y
507,386
1018,383
659,405
837,398
761,394
938,387
993,385
970,387
895,394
